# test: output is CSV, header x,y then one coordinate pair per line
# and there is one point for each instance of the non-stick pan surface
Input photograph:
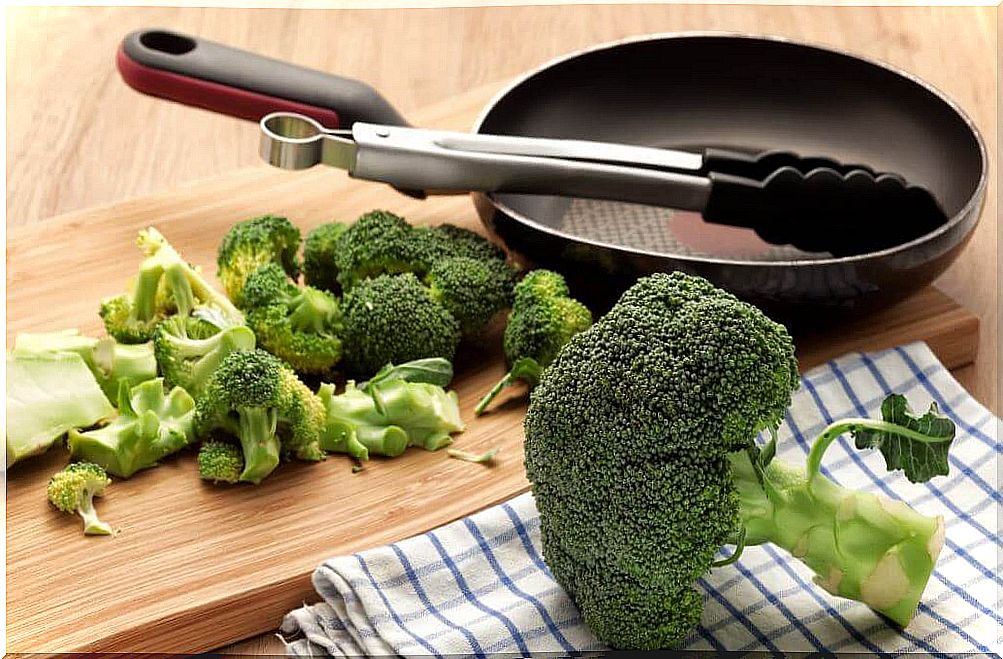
x,y
685,91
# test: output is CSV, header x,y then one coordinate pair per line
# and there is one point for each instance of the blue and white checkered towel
x,y
479,586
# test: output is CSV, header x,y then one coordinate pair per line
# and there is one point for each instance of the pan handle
x,y
238,83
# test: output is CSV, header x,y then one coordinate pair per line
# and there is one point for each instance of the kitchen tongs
x,y
814,204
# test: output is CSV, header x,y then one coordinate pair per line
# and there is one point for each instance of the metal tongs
x,y
814,204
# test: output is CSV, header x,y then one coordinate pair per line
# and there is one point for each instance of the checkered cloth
x,y
479,586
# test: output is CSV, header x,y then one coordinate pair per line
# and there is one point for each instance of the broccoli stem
x,y
861,546
525,369
261,446
312,311
92,524
390,441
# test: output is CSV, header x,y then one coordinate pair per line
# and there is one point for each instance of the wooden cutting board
x,y
195,566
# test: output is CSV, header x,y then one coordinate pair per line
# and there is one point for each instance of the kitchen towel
x,y
479,586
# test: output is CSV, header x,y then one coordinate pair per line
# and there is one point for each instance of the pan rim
x,y
975,199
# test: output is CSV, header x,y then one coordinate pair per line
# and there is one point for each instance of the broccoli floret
x,y
253,243
220,462
73,489
472,290
641,451
319,252
300,325
149,427
542,320
167,285
107,359
190,349
457,241
393,319
380,243
256,397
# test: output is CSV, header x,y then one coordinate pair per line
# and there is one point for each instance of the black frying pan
x,y
685,91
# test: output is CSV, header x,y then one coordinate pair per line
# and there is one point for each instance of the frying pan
x,y
686,91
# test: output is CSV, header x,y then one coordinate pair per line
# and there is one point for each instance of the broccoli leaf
x,y
917,445
434,370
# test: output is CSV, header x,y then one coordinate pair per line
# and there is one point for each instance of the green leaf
x,y
917,445
434,370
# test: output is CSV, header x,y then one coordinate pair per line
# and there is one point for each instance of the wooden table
x,y
78,137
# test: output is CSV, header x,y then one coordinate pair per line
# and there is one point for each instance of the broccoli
x,y
642,455
457,241
543,318
299,325
393,319
149,427
472,290
381,243
73,489
108,360
189,349
220,462
250,244
167,285
258,398
319,252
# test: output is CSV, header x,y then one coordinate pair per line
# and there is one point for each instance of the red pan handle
x,y
235,82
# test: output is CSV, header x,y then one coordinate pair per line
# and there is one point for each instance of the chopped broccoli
x,y
640,448
381,243
300,325
47,395
166,285
472,290
256,397
149,427
393,319
220,462
108,360
319,252
457,241
543,318
487,457
253,243
73,489
189,349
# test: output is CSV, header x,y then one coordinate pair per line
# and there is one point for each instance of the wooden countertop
x,y
78,137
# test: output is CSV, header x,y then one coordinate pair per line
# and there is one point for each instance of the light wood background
x,y
78,137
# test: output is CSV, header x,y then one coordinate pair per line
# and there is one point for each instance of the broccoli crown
x,y
319,251
379,243
543,318
257,397
457,241
472,290
627,438
73,489
300,325
251,244
189,349
394,319
220,462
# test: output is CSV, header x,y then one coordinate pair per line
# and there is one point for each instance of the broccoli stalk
x,y
73,489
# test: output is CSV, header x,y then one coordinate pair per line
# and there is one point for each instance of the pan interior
x,y
738,93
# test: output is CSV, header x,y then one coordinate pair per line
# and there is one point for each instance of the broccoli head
x,y
380,243
189,349
300,325
641,451
457,241
73,489
220,462
472,290
166,285
319,252
149,427
394,319
543,318
250,244
256,397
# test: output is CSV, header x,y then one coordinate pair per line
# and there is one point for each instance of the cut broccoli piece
x,y
542,320
220,462
457,241
167,285
256,397
393,319
472,290
253,243
47,395
640,448
381,243
299,325
319,253
73,489
108,360
479,458
190,349
150,426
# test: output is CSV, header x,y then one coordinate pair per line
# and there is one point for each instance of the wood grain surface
x,y
77,136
